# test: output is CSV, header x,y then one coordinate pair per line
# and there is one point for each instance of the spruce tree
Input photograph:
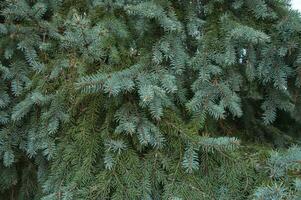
x,y
136,99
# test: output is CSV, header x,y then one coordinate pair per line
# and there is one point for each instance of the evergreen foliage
x,y
135,99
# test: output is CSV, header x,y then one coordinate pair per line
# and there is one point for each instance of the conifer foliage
x,y
133,99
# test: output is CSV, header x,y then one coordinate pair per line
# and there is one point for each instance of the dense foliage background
x,y
156,99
